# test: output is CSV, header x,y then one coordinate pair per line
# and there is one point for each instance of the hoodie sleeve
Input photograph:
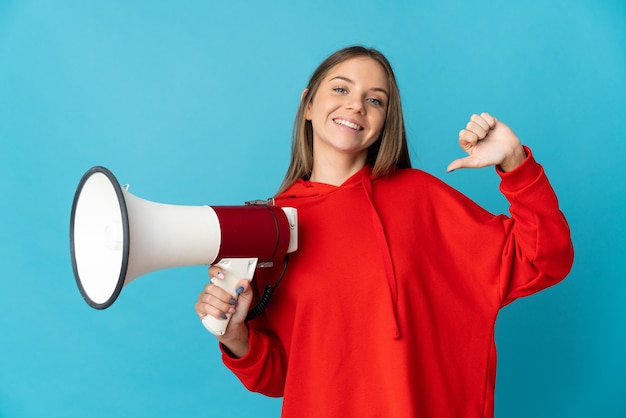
x,y
263,368
538,251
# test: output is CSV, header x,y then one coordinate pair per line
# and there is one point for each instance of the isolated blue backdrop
x,y
192,103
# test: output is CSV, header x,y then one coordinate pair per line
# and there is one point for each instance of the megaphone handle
x,y
234,269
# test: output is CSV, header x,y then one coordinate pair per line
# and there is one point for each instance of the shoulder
x,y
416,187
411,178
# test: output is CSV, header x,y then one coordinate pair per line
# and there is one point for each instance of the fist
x,y
488,142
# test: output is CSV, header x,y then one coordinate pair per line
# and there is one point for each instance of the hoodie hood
x,y
364,180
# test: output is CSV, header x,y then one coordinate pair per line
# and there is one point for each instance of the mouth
x,y
348,124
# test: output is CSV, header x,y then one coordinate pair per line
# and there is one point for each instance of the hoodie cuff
x,y
523,175
254,355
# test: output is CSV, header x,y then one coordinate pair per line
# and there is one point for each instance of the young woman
x,y
388,307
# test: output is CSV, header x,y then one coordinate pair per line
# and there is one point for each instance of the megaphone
x,y
116,237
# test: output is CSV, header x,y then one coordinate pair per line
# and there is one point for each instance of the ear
x,y
307,113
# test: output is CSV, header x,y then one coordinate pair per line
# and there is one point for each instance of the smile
x,y
348,124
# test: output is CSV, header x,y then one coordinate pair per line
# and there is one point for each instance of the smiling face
x,y
348,111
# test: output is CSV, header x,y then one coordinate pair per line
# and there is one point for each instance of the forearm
x,y
540,243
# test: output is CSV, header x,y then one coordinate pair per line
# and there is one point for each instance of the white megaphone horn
x,y
116,237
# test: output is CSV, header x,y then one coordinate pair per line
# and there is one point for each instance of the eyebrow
x,y
346,79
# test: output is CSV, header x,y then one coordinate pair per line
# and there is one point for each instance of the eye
x,y
375,101
340,90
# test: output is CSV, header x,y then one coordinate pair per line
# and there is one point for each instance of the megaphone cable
x,y
268,292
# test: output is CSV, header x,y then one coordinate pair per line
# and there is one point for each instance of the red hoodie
x,y
388,307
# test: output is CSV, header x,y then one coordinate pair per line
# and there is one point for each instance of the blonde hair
x,y
389,152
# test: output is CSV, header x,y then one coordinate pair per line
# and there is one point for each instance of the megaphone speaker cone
x,y
99,237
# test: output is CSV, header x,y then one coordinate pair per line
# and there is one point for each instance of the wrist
x,y
514,159
235,340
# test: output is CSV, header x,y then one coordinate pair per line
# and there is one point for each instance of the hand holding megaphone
x,y
214,301
216,307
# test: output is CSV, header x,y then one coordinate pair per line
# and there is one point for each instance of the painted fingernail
x,y
239,290
224,316
232,301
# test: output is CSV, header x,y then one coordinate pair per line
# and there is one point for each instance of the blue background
x,y
192,103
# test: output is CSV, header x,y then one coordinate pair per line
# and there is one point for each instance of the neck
x,y
335,172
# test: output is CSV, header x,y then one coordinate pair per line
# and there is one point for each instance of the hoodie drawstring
x,y
383,245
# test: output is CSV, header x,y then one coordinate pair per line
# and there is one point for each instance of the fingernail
x,y
220,275
231,311
224,316
239,290
232,301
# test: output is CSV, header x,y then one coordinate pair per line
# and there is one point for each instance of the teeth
x,y
348,124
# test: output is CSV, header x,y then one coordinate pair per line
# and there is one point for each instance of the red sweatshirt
x,y
388,307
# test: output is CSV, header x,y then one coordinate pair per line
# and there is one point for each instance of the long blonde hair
x,y
389,152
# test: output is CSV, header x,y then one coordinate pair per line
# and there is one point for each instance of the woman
x,y
388,307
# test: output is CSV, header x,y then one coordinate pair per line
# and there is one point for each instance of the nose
x,y
356,104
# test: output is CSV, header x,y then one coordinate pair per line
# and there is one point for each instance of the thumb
x,y
244,300
465,162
